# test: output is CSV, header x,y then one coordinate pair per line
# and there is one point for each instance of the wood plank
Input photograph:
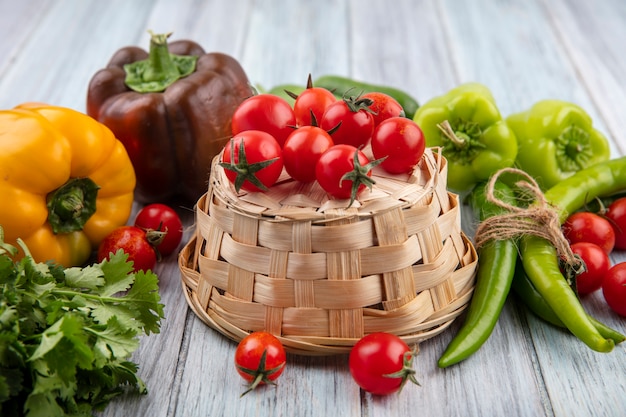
x,y
590,35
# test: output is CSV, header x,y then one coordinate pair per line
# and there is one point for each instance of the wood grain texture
x,y
523,51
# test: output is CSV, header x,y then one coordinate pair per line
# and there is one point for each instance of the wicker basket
x,y
319,275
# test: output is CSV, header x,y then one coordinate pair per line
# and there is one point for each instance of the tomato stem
x,y
407,373
359,176
243,169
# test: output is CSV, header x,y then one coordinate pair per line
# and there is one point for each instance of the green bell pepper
x,y
475,139
555,140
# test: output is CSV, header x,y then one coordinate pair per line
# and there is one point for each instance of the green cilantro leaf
x,y
66,334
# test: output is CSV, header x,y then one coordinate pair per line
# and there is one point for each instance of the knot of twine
x,y
540,219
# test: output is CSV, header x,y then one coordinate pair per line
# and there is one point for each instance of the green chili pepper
x,y
476,140
339,85
535,302
493,281
555,140
539,255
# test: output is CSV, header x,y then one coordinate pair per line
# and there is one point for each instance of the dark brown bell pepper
x,y
175,118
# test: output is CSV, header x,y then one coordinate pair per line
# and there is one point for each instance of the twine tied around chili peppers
x,y
539,219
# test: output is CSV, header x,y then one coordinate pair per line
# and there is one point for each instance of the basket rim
x,y
429,170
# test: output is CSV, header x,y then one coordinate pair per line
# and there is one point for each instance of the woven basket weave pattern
x,y
319,275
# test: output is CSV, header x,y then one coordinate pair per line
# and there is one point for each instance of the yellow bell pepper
x,y
65,182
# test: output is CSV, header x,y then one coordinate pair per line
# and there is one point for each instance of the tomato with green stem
x,y
381,363
302,149
350,120
597,264
585,226
343,171
616,214
265,112
133,241
383,106
252,161
260,359
401,142
309,106
165,225
614,288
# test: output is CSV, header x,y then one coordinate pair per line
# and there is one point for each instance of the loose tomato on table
x,y
589,227
597,263
302,150
163,224
260,358
350,120
614,288
343,171
133,241
252,160
401,142
265,112
381,363
616,214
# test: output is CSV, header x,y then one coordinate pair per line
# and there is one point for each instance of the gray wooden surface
x,y
523,50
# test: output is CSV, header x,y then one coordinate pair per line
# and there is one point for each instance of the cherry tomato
x,y
257,165
589,227
260,359
132,240
350,121
266,112
337,161
597,264
614,288
303,149
312,100
384,106
165,221
616,214
401,142
380,363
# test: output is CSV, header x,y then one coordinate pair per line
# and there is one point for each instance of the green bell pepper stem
x,y
493,282
466,123
556,139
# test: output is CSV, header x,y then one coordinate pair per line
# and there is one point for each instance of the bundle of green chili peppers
x,y
534,272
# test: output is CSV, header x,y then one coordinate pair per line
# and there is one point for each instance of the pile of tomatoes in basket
x,y
320,138
593,236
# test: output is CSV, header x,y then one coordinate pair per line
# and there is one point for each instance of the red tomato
x,y
597,264
614,288
312,100
257,166
384,106
303,149
162,222
375,357
401,142
260,359
336,162
266,112
589,227
132,240
350,121
616,214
